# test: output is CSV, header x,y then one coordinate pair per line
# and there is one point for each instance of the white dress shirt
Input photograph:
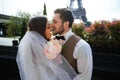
x,y
83,53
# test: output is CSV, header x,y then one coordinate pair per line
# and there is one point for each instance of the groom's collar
x,y
67,35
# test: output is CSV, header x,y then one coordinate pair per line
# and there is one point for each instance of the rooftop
x,y
4,18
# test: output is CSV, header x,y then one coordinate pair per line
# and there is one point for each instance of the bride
x,y
31,61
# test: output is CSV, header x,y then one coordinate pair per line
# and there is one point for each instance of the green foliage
x,y
79,29
24,18
100,34
105,34
16,23
114,31
44,11
13,27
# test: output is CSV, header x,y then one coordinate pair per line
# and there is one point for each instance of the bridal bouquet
x,y
52,49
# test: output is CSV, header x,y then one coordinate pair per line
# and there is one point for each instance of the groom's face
x,y
58,25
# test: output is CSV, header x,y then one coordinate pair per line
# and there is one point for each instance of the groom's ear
x,y
66,24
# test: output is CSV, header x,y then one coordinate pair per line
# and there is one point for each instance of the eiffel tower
x,y
79,12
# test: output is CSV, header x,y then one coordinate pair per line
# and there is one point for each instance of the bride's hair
x,y
38,24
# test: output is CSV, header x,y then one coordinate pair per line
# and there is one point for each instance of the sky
x,y
95,9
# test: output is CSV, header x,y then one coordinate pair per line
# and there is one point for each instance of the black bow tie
x,y
60,37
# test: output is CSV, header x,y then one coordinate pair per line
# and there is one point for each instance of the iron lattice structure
x,y
79,12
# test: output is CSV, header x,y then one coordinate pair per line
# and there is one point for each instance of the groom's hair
x,y
38,24
65,15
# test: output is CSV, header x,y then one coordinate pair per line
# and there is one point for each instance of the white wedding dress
x,y
33,65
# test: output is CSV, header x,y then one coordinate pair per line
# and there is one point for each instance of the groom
x,y
77,51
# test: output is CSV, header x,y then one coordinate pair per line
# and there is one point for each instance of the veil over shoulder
x,y
33,65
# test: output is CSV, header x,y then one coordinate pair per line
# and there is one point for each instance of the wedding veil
x,y
33,65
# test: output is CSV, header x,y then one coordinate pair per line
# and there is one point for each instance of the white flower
x,y
52,49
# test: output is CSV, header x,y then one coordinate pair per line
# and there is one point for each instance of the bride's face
x,y
47,31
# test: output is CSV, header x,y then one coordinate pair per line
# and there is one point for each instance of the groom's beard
x,y
61,30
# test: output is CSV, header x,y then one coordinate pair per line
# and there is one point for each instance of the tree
x,y
13,26
44,11
16,25
24,18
